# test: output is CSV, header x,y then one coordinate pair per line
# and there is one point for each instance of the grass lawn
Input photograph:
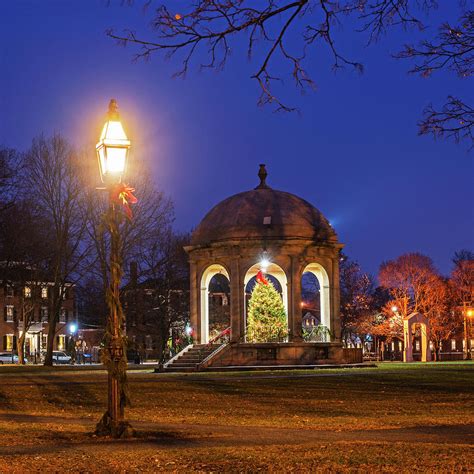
x,y
396,417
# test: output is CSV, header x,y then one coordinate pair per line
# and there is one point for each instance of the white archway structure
x,y
206,278
408,323
324,292
275,271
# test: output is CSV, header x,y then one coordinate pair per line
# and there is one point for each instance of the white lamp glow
x,y
112,148
264,263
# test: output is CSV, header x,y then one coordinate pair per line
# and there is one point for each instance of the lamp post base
x,y
116,429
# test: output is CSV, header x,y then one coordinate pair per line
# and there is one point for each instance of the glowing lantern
x,y
113,146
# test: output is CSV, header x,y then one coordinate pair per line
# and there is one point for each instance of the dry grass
x,y
393,418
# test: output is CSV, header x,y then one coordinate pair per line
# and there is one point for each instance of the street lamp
x,y
468,313
112,153
112,148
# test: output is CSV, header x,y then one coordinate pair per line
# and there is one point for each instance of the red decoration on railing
x,y
261,278
225,332
123,194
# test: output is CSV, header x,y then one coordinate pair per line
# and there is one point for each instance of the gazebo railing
x,y
318,333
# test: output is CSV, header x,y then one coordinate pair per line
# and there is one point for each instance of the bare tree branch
x,y
455,120
212,24
453,50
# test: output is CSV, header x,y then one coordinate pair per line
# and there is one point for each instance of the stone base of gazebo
x,y
282,354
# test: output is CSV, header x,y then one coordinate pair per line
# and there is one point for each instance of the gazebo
x,y
287,237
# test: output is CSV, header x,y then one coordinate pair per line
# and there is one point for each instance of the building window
x,y
63,315
44,314
9,313
61,342
453,344
417,345
8,342
44,342
431,346
27,292
44,292
9,291
393,346
148,342
472,344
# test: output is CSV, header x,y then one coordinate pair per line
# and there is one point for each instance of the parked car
x,y
8,358
61,358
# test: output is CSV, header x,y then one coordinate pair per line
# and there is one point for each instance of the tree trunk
x,y
20,347
53,319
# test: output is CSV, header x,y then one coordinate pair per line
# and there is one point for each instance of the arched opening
x,y
315,303
416,336
213,279
419,341
273,273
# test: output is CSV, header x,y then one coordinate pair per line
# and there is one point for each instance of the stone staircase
x,y
189,358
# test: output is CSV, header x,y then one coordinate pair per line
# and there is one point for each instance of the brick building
x,y
21,295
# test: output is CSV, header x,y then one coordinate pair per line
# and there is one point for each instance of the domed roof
x,y
260,214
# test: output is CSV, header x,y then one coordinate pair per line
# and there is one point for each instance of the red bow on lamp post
x,y
122,194
260,278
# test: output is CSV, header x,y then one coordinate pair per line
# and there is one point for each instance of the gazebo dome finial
x,y
262,174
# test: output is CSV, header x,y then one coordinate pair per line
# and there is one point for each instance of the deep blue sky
x,y
353,151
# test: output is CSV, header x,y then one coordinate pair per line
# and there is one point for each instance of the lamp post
x,y
468,313
112,153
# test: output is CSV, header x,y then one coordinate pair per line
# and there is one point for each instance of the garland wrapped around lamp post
x,y
112,152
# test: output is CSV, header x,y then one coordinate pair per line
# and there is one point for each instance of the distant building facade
x,y
36,296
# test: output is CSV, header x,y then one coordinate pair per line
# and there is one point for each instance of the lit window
x,y
44,341
61,342
453,344
431,346
393,346
44,313
417,345
27,292
9,313
44,292
9,291
63,315
472,344
9,342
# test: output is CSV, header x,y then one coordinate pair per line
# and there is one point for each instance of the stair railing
x,y
179,354
199,365
223,334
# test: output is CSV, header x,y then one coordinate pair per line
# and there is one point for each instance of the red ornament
x,y
123,194
261,278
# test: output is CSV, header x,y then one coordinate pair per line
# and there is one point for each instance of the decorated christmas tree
x,y
266,320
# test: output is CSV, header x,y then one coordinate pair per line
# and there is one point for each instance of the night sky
x,y
353,151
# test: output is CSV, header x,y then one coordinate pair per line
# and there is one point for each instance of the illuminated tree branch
x,y
453,49
455,120
205,31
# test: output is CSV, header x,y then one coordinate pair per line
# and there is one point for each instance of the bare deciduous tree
x,y
452,49
416,286
10,167
268,26
286,32
53,182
